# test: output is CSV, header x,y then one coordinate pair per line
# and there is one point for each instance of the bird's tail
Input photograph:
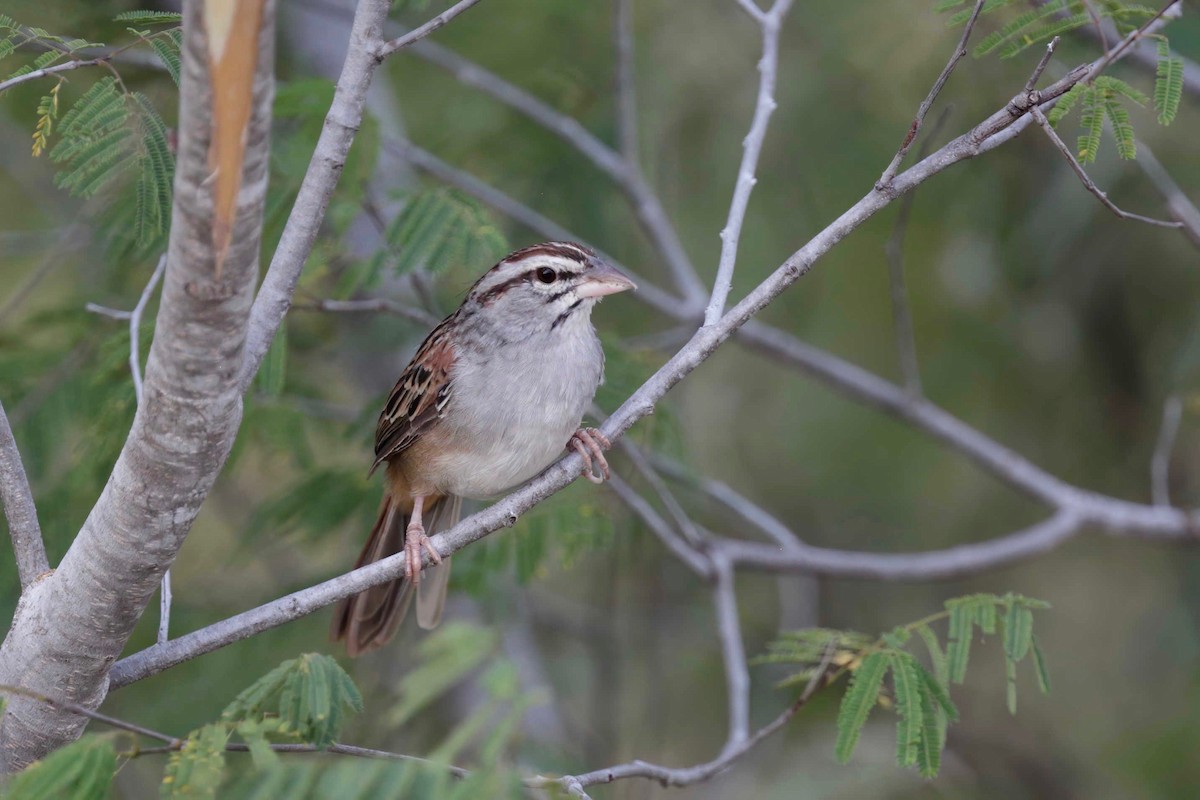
x,y
369,619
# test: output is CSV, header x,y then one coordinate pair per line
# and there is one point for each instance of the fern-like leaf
x,y
1122,128
1116,86
47,111
149,17
857,703
167,46
908,685
309,694
1093,124
1045,32
958,647
1018,25
156,174
1168,84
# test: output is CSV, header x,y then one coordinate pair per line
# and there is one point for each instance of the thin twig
x,y
1086,180
768,67
626,83
135,323
1041,65
1160,464
685,776
417,34
42,73
84,711
105,311
960,52
19,508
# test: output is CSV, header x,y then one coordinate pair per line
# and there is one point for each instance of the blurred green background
x,y
1041,320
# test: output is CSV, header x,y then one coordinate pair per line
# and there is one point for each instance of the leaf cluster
x,y
919,694
108,133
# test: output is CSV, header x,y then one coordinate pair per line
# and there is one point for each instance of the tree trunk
x,y
71,625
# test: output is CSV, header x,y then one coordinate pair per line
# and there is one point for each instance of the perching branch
x,y
19,508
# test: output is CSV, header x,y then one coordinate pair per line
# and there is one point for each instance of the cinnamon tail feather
x,y
368,620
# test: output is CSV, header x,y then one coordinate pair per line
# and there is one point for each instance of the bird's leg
x,y
590,443
415,540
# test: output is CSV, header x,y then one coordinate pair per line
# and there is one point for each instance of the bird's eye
x,y
546,275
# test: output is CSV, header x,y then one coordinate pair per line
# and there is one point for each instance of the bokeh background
x,y
1040,319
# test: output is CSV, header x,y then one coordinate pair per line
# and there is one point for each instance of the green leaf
x,y
149,17
939,692
907,683
195,771
83,770
941,668
1018,631
1018,25
1093,125
310,694
933,736
1122,128
857,703
1043,672
1168,84
167,47
958,647
156,175
1116,86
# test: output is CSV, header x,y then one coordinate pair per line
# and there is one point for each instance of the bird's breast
x,y
514,407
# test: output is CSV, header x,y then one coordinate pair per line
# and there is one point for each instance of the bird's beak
x,y
603,279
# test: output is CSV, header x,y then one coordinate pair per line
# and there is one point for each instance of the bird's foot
x,y
590,443
415,541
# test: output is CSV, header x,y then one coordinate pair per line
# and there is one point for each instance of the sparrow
x,y
494,395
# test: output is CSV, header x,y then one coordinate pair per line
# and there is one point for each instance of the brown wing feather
x,y
419,397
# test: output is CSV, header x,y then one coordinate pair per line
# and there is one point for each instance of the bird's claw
x,y
415,541
590,443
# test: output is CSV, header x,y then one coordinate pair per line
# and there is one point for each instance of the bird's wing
x,y
419,398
